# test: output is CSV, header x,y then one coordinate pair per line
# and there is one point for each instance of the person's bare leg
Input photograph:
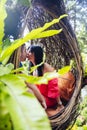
x,y
52,111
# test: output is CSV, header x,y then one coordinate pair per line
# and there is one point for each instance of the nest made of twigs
x,y
60,49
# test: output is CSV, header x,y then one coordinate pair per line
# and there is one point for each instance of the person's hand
x,y
44,105
37,93
29,85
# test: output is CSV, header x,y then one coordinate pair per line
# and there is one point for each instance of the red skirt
x,y
50,92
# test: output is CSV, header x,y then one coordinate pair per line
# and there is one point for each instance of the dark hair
x,y
38,53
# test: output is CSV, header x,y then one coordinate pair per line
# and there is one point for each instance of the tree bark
x,y
59,52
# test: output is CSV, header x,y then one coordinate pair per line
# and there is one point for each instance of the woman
x,y
31,87
49,91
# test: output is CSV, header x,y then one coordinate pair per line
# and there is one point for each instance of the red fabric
x,y
50,91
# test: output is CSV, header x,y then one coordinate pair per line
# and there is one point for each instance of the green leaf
x,y
48,33
36,32
33,79
39,80
46,77
32,35
21,69
20,108
64,70
85,127
2,18
14,82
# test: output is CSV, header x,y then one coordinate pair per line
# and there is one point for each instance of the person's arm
x,y
37,94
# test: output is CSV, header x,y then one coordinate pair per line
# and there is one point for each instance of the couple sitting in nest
x,y
57,90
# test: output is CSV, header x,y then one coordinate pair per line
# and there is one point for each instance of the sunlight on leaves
x,y
64,70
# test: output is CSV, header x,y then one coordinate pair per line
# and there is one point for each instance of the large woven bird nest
x,y
60,49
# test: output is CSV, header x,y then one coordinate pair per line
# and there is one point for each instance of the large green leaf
x,y
36,32
46,77
33,79
13,81
32,35
25,111
49,33
2,18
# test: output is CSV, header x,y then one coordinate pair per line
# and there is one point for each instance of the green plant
x,y
81,121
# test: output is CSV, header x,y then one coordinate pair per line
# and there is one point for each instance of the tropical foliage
x,y
81,121
78,17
